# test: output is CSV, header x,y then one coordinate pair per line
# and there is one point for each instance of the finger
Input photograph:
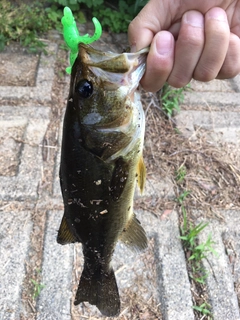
x,y
217,35
189,48
136,41
145,25
175,28
231,65
159,61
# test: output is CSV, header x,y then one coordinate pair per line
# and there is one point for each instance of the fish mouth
x,y
121,74
115,70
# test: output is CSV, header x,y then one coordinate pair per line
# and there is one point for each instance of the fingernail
x,y
217,14
194,18
164,43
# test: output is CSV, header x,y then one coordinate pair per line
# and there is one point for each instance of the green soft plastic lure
x,y
72,37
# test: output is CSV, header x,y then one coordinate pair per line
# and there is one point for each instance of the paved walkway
x,y
154,284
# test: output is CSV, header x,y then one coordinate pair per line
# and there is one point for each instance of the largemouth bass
x,y
101,162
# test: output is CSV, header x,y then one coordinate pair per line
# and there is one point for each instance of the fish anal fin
x,y
141,174
134,235
99,288
64,233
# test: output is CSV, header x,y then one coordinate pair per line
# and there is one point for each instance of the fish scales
x,y
101,161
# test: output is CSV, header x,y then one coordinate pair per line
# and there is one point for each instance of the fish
x,y
101,163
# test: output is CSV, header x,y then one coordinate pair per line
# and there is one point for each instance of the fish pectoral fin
x,y
141,174
134,235
64,233
99,288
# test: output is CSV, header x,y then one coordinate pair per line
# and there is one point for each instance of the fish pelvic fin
x,y
141,172
134,236
64,233
99,288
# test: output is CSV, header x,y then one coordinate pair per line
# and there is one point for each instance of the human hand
x,y
188,39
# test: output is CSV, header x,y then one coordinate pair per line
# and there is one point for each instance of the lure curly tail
x,y
72,37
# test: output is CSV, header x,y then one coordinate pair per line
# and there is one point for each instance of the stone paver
x,y
41,92
173,283
23,75
220,280
160,273
55,298
32,123
215,86
220,126
214,95
14,243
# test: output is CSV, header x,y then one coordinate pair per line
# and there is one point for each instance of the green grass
x,y
180,174
204,309
24,23
172,98
37,287
183,196
197,252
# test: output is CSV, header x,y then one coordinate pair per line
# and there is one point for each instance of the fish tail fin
x,y
99,288
134,235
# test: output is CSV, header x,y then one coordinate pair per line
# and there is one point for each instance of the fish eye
x,y
84,88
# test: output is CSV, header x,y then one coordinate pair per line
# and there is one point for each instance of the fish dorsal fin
x,y
141,172
64,233
134,235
